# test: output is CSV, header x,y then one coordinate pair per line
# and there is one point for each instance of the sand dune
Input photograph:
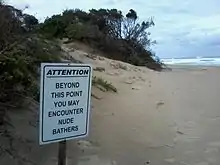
x,y
157,118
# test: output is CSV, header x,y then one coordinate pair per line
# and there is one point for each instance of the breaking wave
x,y
193,61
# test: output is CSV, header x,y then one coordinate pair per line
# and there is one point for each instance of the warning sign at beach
x,y
64,101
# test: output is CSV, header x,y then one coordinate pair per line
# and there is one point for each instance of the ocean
x,y
198,61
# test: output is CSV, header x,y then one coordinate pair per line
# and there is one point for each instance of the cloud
x,y
183,28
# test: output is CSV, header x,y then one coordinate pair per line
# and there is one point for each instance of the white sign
x,y
64,101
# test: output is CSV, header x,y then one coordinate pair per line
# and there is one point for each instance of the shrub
x,y
103,84
76,31
120,37
19,70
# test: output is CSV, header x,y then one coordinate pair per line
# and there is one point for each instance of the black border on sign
x,y
87,115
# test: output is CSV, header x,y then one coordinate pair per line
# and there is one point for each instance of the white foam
x,y
193,61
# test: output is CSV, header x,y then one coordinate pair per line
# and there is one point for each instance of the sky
x,y
183,28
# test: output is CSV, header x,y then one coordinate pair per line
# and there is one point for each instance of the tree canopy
x,y
122,37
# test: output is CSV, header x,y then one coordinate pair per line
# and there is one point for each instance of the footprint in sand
x,y
159,104
135,88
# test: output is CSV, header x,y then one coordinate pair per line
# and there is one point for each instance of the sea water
x,y
192,61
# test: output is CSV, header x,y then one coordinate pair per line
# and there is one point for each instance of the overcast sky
x,y
182,28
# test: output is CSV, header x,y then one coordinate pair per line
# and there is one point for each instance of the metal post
x,y
62,153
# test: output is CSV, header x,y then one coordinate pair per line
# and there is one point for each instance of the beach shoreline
x,y
162,118
185,67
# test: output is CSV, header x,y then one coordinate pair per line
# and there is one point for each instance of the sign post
x,y
65,95
62,153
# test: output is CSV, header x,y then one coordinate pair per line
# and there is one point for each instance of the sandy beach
x,y
169,117
157,118
160,118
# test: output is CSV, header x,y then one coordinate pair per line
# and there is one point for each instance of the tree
x,y
132,15
10,25
30,21
136,32
108,21
114,24
108,30
53,27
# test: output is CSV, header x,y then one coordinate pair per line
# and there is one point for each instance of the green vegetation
x,y
25,43
21,52
103,84
120,37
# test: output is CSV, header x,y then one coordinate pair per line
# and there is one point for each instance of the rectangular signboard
x,y
64,101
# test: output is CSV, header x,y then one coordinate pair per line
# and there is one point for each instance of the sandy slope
x,y
155,118
164,118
